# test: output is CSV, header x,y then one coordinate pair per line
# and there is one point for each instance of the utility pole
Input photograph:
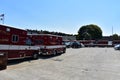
x,y
112,30
112,33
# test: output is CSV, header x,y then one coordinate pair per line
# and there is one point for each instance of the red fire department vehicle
x,y
49,44
16,43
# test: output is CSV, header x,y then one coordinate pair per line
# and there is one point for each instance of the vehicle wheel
x,y
35,56
54,52
64,51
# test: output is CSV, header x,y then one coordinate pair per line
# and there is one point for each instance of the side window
x,y
28,41
15,38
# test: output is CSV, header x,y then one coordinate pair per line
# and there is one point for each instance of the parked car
x,y
68,44
82,45
117,47
76,44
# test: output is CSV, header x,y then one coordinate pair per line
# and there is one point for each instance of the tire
x,y
64,50
35,56
54,52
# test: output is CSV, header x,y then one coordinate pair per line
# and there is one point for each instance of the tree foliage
x,y
115,37
90,32
47,32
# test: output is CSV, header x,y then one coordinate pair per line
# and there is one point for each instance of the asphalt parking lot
x,y
75,64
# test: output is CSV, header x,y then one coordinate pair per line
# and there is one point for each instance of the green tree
x,y
90,31
115,37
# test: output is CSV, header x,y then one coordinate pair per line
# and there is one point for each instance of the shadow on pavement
x,y
48,56
18,61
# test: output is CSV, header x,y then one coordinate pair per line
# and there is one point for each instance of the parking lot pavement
x,y
75,64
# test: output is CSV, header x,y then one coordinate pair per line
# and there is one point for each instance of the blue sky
x,y
65,16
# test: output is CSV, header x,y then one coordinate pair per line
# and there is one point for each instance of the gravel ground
x,y
75,64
